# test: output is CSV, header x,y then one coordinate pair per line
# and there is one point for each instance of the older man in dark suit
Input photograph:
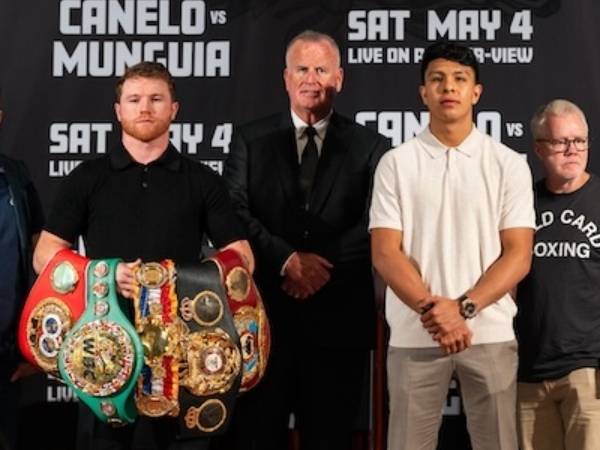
x,y
301,183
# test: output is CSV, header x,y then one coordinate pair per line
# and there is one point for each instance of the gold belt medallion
x,y
206,308
213,362
152,275
48,323
64,278
159,339
99,358
238,284
208,417
157,405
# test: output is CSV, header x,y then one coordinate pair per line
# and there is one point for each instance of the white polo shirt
x,y
450,204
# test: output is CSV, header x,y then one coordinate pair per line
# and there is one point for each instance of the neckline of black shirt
x,y
543,189
120,158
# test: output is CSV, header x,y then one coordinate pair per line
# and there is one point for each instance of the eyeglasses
x,y
562,145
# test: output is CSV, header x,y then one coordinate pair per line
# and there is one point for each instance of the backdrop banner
x,y
61,59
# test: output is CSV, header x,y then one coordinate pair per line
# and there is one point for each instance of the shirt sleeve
x,y
222,224
517,208
385,211
68,215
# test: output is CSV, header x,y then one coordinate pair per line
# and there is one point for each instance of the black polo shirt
x,y
160,210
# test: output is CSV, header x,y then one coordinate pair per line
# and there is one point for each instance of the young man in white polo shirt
x,y
451,225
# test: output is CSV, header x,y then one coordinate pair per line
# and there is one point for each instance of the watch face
x,y
468,308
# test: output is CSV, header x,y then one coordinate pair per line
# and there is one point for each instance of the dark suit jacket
x,y
29,218
262,174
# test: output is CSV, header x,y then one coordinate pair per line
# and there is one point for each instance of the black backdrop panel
x,y
61,59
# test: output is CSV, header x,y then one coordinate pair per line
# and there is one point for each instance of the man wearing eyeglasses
x,y
558,324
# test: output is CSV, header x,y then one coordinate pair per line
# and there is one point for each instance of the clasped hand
x,y
305,274
443,321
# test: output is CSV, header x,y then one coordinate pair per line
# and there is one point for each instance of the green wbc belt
x,y
102,356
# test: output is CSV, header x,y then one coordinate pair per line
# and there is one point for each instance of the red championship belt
x,y
249,315
55,302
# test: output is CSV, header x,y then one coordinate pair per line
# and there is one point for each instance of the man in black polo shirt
x,y
142,200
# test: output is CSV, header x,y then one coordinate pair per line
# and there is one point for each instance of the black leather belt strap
x,y
211,373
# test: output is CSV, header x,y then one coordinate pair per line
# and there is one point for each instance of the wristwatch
x,y
468,308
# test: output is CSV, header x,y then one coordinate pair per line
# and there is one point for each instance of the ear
x,y
118,111
286,78
538,150
339,79
174,110
477,91
423,94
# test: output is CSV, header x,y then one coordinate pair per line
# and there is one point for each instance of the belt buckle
x,y
99,358
161,333
212,362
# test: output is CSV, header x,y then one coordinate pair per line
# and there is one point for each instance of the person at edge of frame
x,y
21,220
558,324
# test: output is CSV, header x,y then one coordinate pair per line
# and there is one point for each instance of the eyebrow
x,y
563,138
456,72
154,94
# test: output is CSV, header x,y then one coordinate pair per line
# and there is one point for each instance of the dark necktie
x,y
308,165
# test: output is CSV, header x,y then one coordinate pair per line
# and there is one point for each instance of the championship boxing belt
x,y
249,316
161,332
101,357
211,372
55,302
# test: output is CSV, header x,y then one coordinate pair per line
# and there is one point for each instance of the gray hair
x,y
314,36
556,107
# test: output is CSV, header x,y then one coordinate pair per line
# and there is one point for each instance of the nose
x,y
570,150
311,76
448,85
144,104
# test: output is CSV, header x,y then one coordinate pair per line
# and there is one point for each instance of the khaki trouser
x,y
418,381
561,414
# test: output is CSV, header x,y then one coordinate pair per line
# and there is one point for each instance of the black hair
x,y
451,51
